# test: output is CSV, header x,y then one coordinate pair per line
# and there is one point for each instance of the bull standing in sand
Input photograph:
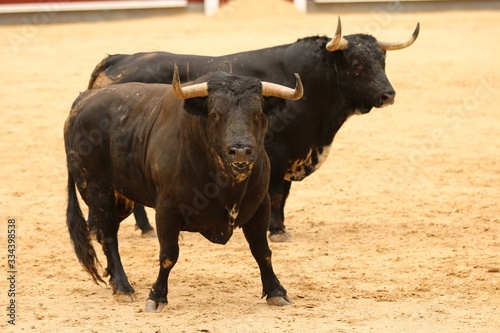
x,y
136,143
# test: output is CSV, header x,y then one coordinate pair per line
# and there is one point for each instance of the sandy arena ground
x,y
399,231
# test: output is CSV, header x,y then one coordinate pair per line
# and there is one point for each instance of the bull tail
x,y
79,234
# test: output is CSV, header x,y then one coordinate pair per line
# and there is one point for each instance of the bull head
x,y
360,69
234,120
340,43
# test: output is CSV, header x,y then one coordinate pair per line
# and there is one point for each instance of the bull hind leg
x,y
107,210
123,209
279,193
142,222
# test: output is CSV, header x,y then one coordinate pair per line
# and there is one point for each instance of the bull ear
x,y
196,106
274,105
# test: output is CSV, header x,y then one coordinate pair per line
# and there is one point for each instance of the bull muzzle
x,y
241,158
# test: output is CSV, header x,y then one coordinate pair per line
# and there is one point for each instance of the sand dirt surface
x,y
399,231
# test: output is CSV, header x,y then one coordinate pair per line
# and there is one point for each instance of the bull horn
x,y
277,90
387,46
194,90
337,42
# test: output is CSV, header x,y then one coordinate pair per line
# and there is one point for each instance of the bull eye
x,y
258,115
356,66
214,116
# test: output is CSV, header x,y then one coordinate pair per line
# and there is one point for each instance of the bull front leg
x,y
255,232
168,229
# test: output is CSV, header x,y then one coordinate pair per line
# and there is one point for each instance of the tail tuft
x,y
79,234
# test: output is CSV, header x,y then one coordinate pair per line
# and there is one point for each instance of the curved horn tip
x,y
176,77
417,30
297,92
280,91
191,91
337,42
299,87
176,84
398,46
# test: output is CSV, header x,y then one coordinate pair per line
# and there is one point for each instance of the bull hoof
x,y
122,290
154,307
279,300
281,236
125,297
149,234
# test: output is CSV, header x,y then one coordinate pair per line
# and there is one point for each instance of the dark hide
x,y
199,162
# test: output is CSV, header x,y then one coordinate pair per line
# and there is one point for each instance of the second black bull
x,y
342,76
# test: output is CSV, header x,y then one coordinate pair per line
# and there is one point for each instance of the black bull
x,y
342,76
136,143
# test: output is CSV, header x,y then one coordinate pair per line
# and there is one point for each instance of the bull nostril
x,y
387,98
240,154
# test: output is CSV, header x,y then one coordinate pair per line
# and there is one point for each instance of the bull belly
x,y
137,193
302,168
